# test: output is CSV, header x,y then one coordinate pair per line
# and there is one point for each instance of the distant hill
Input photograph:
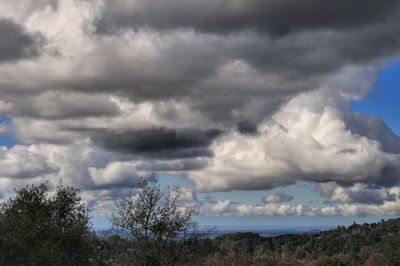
x,y
365,244
375,244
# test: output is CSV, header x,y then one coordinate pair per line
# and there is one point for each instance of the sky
x,y
264,112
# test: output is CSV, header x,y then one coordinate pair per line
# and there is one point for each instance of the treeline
x,y
42,228
366,244
376,244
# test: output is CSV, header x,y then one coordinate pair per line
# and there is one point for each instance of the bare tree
x,y
162,231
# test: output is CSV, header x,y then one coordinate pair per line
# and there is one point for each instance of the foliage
x,y
38,229
367,244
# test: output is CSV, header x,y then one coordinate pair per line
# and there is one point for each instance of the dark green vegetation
x,y
41,228
366,244
38,229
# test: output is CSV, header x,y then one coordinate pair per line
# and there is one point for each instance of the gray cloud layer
x,y
277,198
16,43
234,94
271,16
156,140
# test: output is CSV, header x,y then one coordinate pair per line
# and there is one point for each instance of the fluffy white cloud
x,y
222,207
309,138
84,165
79,164
23,162
271,210
389,206
120,174
358,193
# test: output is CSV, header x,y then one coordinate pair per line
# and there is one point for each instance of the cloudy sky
x,y
260,109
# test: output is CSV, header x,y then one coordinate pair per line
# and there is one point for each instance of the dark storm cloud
x,y
247,127
275,17
16,43
157,141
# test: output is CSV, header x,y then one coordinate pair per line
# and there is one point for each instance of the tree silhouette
x,y
162,231
38,229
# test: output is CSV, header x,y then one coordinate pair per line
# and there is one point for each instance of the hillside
x,y
366,244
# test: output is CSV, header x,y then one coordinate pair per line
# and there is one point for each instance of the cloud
x,y
122,174
5,106
183,194
233,94
170,93
84,165
222,207
278,198
389,206
93,169
22,162
307,139
16,42
53,105
157,139
375,128
270,210
20,10
273,16
358,193
101,201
